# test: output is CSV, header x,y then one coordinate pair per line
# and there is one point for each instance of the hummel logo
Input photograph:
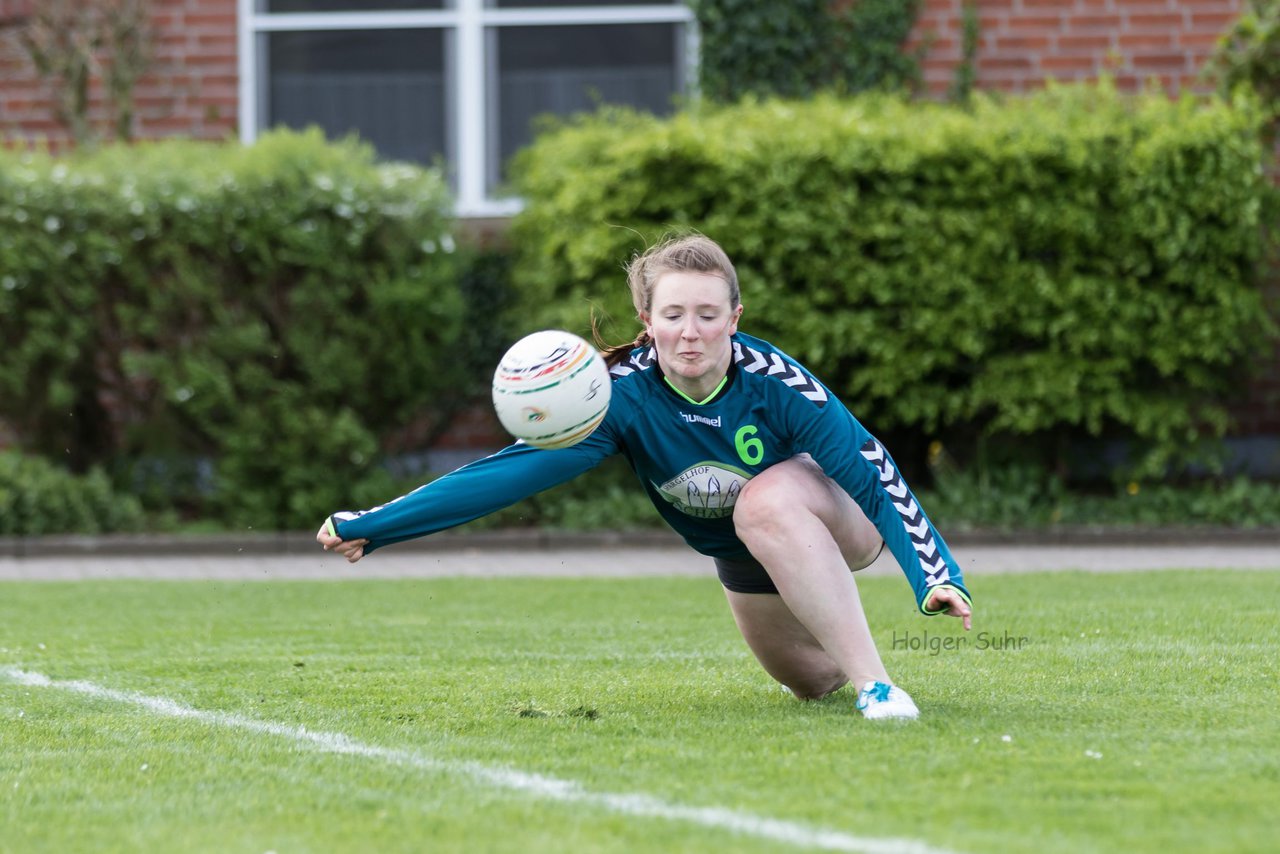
x,y
700,419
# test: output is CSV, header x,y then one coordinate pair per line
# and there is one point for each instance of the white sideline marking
x,y
734,821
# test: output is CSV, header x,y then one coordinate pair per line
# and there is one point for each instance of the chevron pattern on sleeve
x,y
931,561
635,362
753,361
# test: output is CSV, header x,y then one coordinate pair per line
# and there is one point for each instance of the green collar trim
x,y
706,400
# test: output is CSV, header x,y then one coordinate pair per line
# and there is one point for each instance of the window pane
x,y
348,5
387,86
571,69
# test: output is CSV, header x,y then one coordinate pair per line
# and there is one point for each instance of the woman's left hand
x,y
953,603
352,550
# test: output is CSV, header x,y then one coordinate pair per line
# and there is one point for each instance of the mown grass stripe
x,y
634,804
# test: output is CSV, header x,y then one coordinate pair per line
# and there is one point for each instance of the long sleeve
x,y
857,461
475,490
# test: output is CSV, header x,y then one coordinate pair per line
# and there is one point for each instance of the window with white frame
x,y
456,82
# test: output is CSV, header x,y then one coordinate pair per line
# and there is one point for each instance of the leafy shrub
x,y
1072,264
1248,54
761,48
37,497
1025,497
1014,497
273,308
1238,502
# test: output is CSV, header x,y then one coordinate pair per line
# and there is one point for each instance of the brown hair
x,y
693,253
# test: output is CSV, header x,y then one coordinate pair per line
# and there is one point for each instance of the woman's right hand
x,y
352,550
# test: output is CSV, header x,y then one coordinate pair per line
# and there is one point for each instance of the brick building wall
x,y
190,89
1022,42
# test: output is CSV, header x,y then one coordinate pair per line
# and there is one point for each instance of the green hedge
x,y
274,310
1074,263
37,497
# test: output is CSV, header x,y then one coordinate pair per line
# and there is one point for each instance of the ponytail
x,y
615,353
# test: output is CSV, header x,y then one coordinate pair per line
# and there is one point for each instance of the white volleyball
x,y
551,389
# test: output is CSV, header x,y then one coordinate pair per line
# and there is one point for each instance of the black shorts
x,y
744,575
748,575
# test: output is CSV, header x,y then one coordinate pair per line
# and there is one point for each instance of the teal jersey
x,y
693,461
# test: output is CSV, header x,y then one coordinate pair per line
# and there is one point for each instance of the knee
x,y
765,501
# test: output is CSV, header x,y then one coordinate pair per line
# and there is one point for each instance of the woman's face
x,y
690,322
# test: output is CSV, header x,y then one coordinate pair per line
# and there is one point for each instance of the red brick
x,y
1069,43
26,86
938,9
175,124
991,23
16,8
43,125
217,60
1023,43
1127,80
211,99
1004,63
1202,44
1161,62
935,23
220,40
1147,7
1222,7
158,89
1165,22
1216,21
1037,22
219,21
1068,63
1092,23
220,79
1145,42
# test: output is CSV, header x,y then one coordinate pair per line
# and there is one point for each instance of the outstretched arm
x,y
475,490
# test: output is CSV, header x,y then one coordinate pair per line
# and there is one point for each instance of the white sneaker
x,y
881,700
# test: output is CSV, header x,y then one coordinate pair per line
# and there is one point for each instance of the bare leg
x,y
783,646
807,533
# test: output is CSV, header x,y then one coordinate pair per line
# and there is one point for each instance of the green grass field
x,y
1126,712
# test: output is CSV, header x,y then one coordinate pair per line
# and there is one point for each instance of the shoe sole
x,y
890,716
